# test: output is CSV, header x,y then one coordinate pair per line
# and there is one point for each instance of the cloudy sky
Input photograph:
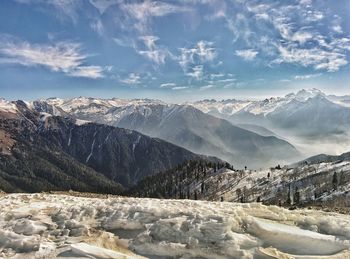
x,y
172,50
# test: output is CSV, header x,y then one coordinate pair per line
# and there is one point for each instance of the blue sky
x,y
172,50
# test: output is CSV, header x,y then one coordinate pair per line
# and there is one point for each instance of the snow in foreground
x,y
49,226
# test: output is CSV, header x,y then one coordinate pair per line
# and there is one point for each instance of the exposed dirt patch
x,y
6,143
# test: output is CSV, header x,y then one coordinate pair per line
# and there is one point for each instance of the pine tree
x,y
296,196
335,181
288,201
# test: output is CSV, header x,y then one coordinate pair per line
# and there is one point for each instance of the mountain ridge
x,y
185,126
120,161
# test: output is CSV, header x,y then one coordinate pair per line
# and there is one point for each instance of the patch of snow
x,y
92,148
44,116
134,144
81,122
64,226
7,106
90,251
70,137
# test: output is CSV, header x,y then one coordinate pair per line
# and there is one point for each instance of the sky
x,y
173,50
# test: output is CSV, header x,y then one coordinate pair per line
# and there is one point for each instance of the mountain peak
x,y
304,94
7,106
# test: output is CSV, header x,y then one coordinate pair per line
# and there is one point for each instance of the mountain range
x,y
115,145
41,152
306,113
183,125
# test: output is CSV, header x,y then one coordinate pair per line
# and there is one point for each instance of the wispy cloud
x,y
153,52
65,57
64,8
93,72
142,13
320,59
196,72
308,76
167,85
247,54
297,38
202,52
205,87
103,5
179,87
337,28
131,79
97,26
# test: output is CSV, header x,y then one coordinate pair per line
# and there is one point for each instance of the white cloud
x,y
227,80
103,5
62,57
87,71
337,28
202,52
179,87
247,54
314,16
168,85
302,36
142,13
205,51
205,87
64,8
132,79
316,57
308,76
97,26
152,51
196,72
219,75
124,42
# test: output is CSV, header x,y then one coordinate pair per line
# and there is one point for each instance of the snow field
x,y
49,226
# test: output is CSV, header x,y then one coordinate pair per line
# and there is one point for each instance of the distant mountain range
x,y
94,145
182,125
309,113
42,152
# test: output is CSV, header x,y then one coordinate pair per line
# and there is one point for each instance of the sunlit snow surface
x,y
50,226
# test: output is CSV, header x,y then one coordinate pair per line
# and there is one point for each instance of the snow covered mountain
x,y
320,180
41,152
306,113
309,119
182,125
230,107
62,226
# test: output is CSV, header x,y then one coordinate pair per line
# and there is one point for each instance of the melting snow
x,y
135,143
50,226
81,122
92,148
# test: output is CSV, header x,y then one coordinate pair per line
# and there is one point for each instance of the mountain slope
x,y
306,113
44,152
315,116
188,127
318,180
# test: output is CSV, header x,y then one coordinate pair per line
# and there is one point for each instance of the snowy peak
x,y
7,106
97,104
230,107
305,94
227,107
